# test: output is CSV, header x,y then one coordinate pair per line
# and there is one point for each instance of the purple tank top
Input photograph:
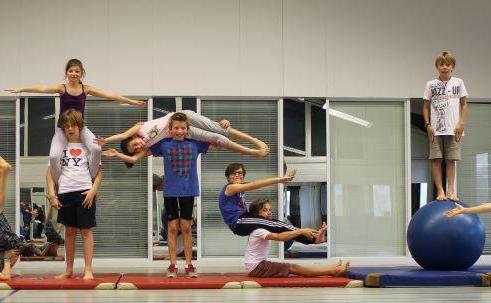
x,y
68,101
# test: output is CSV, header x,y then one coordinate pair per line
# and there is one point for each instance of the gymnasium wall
x,y
350,48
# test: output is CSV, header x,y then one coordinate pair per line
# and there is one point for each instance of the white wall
x,y
335,48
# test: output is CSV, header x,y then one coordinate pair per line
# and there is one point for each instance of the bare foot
x,y
321,234
4,276
262,152
262,145
11,253
341,269
336,270
4,166
88,275
65,275
13,260
453,197
441,196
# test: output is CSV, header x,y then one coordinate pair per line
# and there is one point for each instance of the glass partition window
x,y
189,103
36,218
122,230
294,128
305,206
7,151
37,125
122,207
367,179
304,148
161,107
257,118
318,130
473,171
304,124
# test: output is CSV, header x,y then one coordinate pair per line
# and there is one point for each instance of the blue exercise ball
x,y
441,243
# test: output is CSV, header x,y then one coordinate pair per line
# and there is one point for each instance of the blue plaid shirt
x,y
181,175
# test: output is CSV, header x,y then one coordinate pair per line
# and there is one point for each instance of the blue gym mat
x,y
418,277
481,269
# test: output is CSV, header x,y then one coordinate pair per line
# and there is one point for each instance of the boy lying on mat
x,y
257,251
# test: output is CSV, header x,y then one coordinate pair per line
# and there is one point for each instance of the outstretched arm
x,y
459,209
44,89
110,96
119,137
236,188
111,152
288,235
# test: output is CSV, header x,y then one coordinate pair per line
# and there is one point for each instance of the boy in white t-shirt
x,y
257,251
75,199
445,115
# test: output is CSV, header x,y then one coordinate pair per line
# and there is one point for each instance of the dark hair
x,y
72,116
256,206
233,167
75,62
178,117
28,250
124,149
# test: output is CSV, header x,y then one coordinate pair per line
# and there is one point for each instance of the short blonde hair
x,y
72,116
445,57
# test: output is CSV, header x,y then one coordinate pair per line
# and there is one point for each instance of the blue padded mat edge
x,y
416,276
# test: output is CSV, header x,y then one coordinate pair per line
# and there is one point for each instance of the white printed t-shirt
x,y
257,249
75,175
444,97
155,130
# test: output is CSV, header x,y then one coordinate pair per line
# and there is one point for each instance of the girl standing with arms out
x,y
73,95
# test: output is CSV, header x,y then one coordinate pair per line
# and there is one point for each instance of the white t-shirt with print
x,y
155,130
444,97
257,249
75,175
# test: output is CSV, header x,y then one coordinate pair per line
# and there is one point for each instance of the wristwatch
x,y
427,124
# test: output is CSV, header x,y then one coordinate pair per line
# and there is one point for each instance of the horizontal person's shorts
x,y
270,269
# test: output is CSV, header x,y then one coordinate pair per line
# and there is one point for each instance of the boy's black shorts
x,y
73,214
179,207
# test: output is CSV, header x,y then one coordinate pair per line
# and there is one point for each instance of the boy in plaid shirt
x,y
180,187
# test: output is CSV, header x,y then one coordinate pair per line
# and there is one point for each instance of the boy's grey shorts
x,y
445,147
